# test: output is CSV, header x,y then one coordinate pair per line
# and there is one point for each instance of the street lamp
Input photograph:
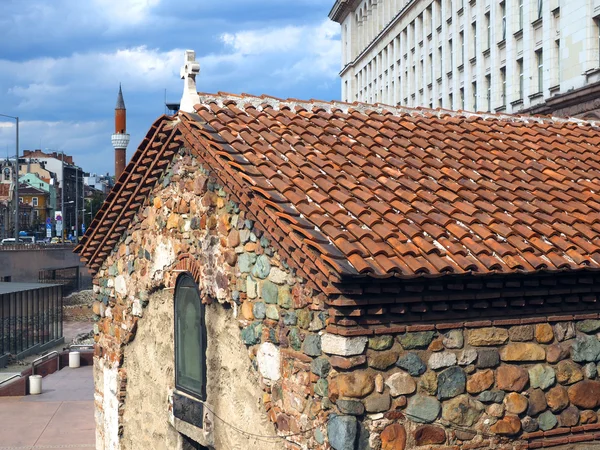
x,y
17,180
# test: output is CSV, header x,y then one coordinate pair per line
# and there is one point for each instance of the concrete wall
x,y
24,265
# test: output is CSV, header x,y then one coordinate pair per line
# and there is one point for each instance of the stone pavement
x,y
61,417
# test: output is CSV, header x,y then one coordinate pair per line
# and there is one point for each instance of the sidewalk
x,y
61,417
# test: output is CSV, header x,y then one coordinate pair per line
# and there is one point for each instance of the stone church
x,y
287,274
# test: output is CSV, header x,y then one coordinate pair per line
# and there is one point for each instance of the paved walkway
x,y
62,416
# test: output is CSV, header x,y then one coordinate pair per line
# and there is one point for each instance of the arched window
x,y
190,339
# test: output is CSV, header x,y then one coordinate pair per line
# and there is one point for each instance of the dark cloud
x,y
61,62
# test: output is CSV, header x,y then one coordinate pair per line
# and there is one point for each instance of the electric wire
x,y
268,438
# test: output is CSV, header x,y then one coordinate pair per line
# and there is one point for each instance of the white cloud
x,y
294,52
81,74
124,12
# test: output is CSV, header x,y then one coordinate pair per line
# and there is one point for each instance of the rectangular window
x,y
34,201
488,87
461,36
521,12
489,30
598,40
430,68
503,14
540,4
439,11
462,99
521,77
539,57
474,28
450,100
451,55
503,81
441,65
474,84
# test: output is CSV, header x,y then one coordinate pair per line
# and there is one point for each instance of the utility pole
x,y
76,204
16,190
62,196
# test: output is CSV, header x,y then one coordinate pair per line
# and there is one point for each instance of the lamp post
x,y
16,179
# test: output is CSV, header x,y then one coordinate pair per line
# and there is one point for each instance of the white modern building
x,y
536,56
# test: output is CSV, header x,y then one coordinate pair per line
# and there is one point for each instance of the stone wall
x,y
505,384
191,225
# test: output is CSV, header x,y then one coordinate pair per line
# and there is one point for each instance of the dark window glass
x,y
190,339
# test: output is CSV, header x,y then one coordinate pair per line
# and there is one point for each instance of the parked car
x,y
56,240
11,241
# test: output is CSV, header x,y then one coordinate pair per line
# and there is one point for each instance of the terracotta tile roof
x,y
382,191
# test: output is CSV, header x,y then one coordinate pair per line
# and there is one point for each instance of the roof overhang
x,y
341,8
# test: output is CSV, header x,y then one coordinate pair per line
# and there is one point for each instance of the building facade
x,y
70,181
536,56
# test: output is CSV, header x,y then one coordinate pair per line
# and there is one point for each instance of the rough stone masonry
x,y
274,371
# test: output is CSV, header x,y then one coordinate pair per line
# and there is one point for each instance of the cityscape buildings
x,y
527,56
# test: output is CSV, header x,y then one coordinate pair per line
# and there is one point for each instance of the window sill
x,y
536,95
591,72
518,34
461,67
486,52
430,86
500,108
449,75
449,20
460,11
502,43
439,28
554,89
473,60
537,22
429,36
517,102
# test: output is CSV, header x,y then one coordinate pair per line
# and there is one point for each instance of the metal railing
x,y
45,357
81,346
17,375
67,276
30,319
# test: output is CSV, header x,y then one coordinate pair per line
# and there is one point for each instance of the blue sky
x,y
61,62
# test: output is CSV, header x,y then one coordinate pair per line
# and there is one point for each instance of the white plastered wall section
x,y
107,406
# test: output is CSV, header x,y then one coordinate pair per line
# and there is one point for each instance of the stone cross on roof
x,y
188,72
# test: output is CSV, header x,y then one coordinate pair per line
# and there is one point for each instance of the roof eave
x,y
339,10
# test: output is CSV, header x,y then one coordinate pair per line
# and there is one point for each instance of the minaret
x,y
120,138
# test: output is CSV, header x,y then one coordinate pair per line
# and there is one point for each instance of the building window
x,y
7,174
450,100
474,28
430,68
451,55
521,11
462,99
488,86
489,30
540,4
190,339
503,81
598,40
521,77
539,57
461,36
34,201
474,84
503,14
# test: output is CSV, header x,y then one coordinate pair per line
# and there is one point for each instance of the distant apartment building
x,y
69,180
533,56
